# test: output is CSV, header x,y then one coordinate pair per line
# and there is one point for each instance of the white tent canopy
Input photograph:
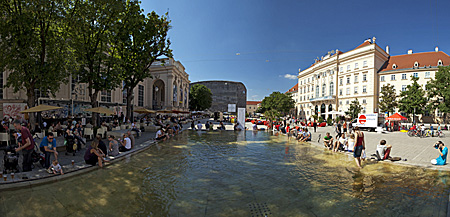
x,y
335,113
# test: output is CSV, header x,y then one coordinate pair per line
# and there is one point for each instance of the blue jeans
x,y
47,157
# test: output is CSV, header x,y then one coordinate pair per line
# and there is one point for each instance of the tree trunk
x,y
93,96
31,103
130,97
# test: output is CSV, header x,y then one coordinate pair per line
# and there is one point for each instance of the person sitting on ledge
x,y
126,143
113,149
160,135
443,151
93,155
328,141
306,136
383,151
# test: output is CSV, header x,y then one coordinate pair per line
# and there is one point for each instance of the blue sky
x,y
275,38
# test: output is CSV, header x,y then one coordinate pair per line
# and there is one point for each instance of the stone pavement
x,y
417,151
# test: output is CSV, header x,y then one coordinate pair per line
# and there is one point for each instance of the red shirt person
x,y
26,146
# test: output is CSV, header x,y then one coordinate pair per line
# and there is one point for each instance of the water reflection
x,y
227,173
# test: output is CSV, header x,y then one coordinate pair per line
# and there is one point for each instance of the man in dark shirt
x,y
27,145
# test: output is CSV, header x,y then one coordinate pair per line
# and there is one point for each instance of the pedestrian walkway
x,y
416,151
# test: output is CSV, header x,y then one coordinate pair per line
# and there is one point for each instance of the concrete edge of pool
x,y
54,178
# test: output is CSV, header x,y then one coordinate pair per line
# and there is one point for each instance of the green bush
x,y
320,119
329,121
338,118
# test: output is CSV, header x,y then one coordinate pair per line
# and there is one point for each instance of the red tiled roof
x,y
294,88
253,102
363,44
407,61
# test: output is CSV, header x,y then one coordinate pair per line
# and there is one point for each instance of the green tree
x,y
141,40
280,102
33,46
388,98
93,28
200,98
438,91
354,110
413,99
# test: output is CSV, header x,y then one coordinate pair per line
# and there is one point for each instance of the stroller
x,y
11,160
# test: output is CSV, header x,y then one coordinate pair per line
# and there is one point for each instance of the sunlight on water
x,y
237,174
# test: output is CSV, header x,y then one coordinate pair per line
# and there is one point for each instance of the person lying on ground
x,y
328,141
383,150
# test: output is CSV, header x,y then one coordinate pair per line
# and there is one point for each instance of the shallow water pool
x,y
237,174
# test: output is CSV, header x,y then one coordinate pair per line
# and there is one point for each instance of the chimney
x,y
436,49
410,52
387,49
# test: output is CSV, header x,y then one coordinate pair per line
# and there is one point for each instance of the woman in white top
x,y
351,142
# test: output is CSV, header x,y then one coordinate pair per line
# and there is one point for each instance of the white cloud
x,y
289,76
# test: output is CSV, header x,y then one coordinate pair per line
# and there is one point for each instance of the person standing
x,y
48,146
27,145
345,127
315,125
359,146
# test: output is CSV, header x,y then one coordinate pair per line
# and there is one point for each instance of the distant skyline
x,y
264,43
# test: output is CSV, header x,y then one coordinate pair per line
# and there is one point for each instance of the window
x,y
332,72
340,81
415,74
394,66
331,89
348,91
348,67
105,96
356,65
364,101
347,102
364,77
392,77
403,88
382,78
141,95
348,80
308,88
300,83
416,64
365,63
317,91
340,102
356,90
340,92
364,89
403,76
356,78
341,69
427,74
440,63
324,89
312,78
308,80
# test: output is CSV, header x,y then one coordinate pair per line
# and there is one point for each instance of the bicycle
x,y
440,134
412,133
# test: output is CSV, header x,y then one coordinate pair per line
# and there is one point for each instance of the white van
x,y
368,121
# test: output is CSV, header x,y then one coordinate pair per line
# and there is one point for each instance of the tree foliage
x,y
279,102
200,98
354,110
388,98
413,98
33,46
438,90
93,27
141,40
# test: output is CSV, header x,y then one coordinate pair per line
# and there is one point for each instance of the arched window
x,y
175,93
317,91
440,63
331,88
324,89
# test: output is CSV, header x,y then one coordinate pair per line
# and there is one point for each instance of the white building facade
x,y
333,81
